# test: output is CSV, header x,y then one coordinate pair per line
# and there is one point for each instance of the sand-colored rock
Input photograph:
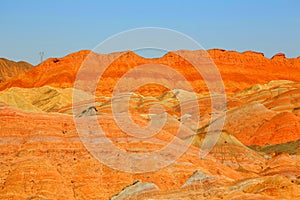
x,y
196,177
138,187
43,99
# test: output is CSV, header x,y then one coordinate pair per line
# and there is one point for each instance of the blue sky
x,y
61,27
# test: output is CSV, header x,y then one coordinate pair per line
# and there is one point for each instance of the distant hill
x,y
10,69
238,70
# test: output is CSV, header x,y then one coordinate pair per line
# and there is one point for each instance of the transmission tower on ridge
x,y
42,55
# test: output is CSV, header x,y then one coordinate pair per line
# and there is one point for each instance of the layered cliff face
x,y
256,155
10,69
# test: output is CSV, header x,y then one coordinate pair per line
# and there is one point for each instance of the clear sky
x,y
64,26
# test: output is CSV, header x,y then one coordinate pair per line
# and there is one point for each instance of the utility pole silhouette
x,y
42,55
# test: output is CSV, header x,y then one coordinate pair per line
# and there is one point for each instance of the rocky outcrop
x,y
279,56
196,177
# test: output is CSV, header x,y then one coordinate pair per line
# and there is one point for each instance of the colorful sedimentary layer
x,y
256,155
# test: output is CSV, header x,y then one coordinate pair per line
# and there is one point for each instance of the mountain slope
x,y
10,69
239,70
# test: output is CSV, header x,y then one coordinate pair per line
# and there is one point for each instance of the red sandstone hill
x,y
10,69
238,70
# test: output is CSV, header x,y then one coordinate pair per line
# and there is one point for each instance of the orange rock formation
x,y
257,154
239,70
